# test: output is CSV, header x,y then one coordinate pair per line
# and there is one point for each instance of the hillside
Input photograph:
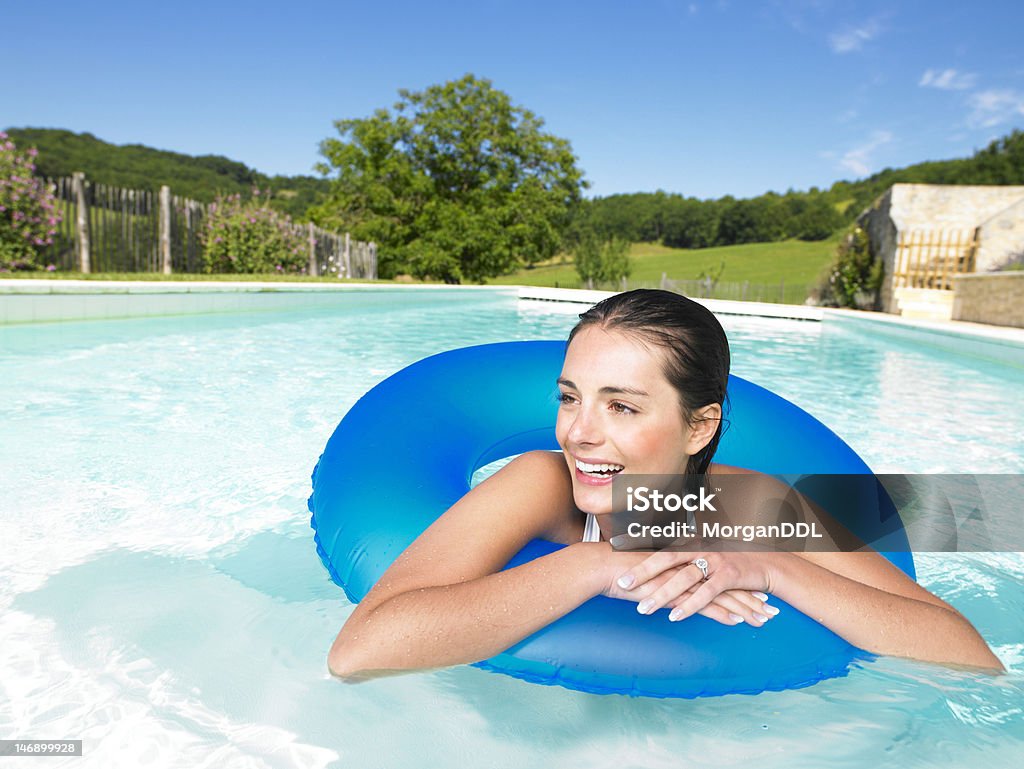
x,y
1001,162
135,166
649,217
675,220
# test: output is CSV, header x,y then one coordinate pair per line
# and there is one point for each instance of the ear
x,y
703,424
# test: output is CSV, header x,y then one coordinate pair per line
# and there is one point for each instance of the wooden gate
x,y
930,258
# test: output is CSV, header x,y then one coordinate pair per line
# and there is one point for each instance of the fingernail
x,y
645,606
626,580
760,617
773,610
735,618
675,615
760,596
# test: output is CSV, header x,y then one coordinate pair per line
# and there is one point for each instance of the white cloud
x,y
947,80
994,106
858,159
853,39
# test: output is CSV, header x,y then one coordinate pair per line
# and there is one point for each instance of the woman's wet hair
x,y
697,350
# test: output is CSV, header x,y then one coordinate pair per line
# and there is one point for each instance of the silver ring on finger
x,y
701,564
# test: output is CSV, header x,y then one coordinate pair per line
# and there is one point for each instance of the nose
x,y
585,429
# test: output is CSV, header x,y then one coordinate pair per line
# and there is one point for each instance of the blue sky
x,y
701,98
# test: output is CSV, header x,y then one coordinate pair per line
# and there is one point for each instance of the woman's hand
x,y
737,584
730,607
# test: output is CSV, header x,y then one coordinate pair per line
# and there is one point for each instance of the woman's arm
x,y
444,600
873,605
465,621
859,596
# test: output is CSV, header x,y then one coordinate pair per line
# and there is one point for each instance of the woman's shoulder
x,y
720,469
557,517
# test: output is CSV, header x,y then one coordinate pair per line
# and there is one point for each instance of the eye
x,y
621,408
566,399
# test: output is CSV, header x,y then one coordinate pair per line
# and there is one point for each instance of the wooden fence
x,y
109,229
930,258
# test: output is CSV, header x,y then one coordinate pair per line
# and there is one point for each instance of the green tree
x,y
587,255
600,261
816,220
615,263
691,223
753,220
455,182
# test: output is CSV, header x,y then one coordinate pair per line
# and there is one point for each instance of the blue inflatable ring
x,y
444,417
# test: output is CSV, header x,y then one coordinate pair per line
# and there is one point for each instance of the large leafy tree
x,y
454,182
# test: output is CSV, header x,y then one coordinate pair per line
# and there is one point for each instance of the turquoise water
x,y
161,600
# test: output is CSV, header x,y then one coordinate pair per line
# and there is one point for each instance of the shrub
x,y
249,236
855,275
28,210
601,261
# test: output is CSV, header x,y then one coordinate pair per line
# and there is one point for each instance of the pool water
x,y
161,599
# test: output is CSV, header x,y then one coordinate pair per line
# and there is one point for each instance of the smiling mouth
x,y
598,470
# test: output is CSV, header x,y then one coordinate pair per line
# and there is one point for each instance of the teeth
x,y
588,468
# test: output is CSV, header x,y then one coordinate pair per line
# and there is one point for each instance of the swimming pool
x,y
161,600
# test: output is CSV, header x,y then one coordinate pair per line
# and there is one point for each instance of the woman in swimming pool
x,y
642,389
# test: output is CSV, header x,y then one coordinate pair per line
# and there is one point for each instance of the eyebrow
x,y
608,390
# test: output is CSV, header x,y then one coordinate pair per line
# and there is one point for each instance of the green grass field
x,y
793,261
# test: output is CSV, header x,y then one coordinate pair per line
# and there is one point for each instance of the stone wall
x,y
882,235
999,211
1002,237
995,297
949,206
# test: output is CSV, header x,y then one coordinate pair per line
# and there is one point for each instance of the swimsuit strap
x,y
591,531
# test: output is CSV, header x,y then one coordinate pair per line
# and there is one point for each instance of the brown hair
x,y
697,359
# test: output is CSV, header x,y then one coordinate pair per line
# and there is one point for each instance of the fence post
x,y
186,242
347,257
165,229
664,280
81,220
373,262
312,251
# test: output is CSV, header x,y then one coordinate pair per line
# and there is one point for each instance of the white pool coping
x,y
717,306
997,334
43,286
31,300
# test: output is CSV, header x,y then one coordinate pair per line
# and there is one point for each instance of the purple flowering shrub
x,y
28,210
250,236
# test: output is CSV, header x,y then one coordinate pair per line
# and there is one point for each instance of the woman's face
x,y
618,414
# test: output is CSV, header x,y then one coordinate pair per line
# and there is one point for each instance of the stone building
x,y
928,234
